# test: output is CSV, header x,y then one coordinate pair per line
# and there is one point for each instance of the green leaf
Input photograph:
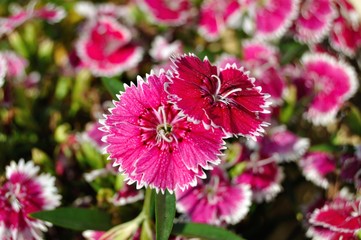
x,y
76,218
324,148
291,50
113,85
164,214
203,231
353,120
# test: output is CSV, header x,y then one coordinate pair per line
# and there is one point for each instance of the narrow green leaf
x,y
76,218
113,85
353,120
164,214
203,231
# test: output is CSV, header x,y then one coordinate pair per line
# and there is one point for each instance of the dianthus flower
x,y
315,20
346,29
215,15
215,200
174,13
23,193
333,82
153,143
105,47
338,219
262,174
316,165
262,60
271,18
225,98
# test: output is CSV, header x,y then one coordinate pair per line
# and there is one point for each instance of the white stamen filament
x,y
218,84
164,137
230,92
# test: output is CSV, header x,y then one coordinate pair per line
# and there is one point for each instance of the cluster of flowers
x,y
23,193
175,131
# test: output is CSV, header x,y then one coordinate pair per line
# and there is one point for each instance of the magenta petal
x,y
167,12
263,176
316,165
284,145
215,202
315,20
333,81
341,216
275,17
106,49
51,13
345,36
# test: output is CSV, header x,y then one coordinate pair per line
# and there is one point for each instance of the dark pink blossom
x,y
106,49
215,200
17,18
271,18
262,60
315,20
351,168
216,15
333,82
50,13
226,98
15,64
338,219
25,192
316,166
283,145
153,143
262,174
174,13
346,29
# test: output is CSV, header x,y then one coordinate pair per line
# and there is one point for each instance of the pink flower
x,y
262,60
215,15
23,193
315,20
18,17
346,31
153,143
126,195
283,145
338,219
106,49
162,50
174,13
50,13
263,175
215,200
333,83
272,18
316,165
15,64
225,98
